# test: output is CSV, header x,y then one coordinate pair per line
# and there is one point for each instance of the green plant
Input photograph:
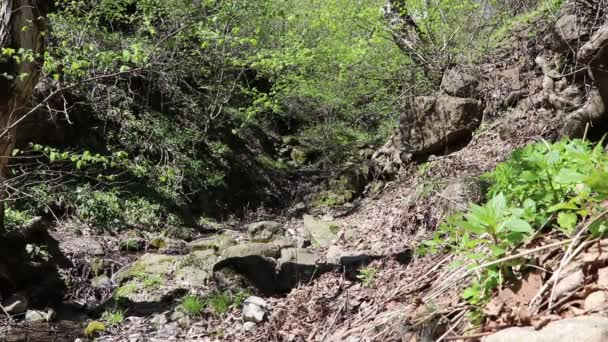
x,y
192,305
125,291
551,186
367,275
152,281
220,302
113,317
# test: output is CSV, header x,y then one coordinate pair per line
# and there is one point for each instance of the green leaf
x,y
567,220
518,226
568,176
562,206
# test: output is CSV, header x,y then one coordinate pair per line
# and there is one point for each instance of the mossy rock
x,y
321,233
217,242
302,155
252,249
147,264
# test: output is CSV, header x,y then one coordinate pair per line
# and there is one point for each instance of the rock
x,y
568,30
340,257
297,265
196,268
15,304
461,83
149,264
216,242
254,309
181,318
584,328
101,282
75,245
252,249
602,277
595,53
36,316
322,234
159,320
596,300
169,246
263,231
249,326
429,125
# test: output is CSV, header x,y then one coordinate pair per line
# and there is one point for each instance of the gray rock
x,y
196,268
149,264
159,320
249,326
584,328
461,83
297,265
340,257
252,249
298,255
567,29
320,232
457,195
264,231
167,245
15,304
428,125
36,316
254,309
216,242
297,210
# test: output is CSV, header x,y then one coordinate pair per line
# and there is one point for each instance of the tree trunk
x,y
22,44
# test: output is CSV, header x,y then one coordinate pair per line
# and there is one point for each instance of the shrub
x,y
192,305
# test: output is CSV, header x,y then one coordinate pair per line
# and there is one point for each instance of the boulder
x,y
167,245
195,269
148,264
252,249
297,265
322,233
337,256
584,328
217,242
568,30
264,231
254,309
101,282
429,125
459,82
595,53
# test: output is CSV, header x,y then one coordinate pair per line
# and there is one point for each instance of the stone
x,y
596,300
36,316
252,249
567,29
75,245
584,328
461,83
321,233
149,264
264,231
297,265
159,320
167,245
15,304
181,318
217,242
196,268
429,125
249,326
254,309
101,282
340,257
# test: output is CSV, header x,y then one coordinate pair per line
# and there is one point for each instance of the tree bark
x,y
22,27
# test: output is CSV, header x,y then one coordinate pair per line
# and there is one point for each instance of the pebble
x,y
254,309
248,326
595,300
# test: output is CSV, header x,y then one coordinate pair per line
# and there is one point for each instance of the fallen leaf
x,y
569,283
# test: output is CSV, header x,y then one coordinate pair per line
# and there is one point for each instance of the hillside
x,y
304,171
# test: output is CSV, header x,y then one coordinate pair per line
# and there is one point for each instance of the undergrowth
x,y
540,187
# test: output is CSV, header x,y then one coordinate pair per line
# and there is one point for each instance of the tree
x,y
22,43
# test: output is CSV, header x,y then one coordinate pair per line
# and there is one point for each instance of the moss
x,y
125,291
300,155
270,163
94,327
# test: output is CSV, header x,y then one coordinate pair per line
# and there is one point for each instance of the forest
x,y
303,170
